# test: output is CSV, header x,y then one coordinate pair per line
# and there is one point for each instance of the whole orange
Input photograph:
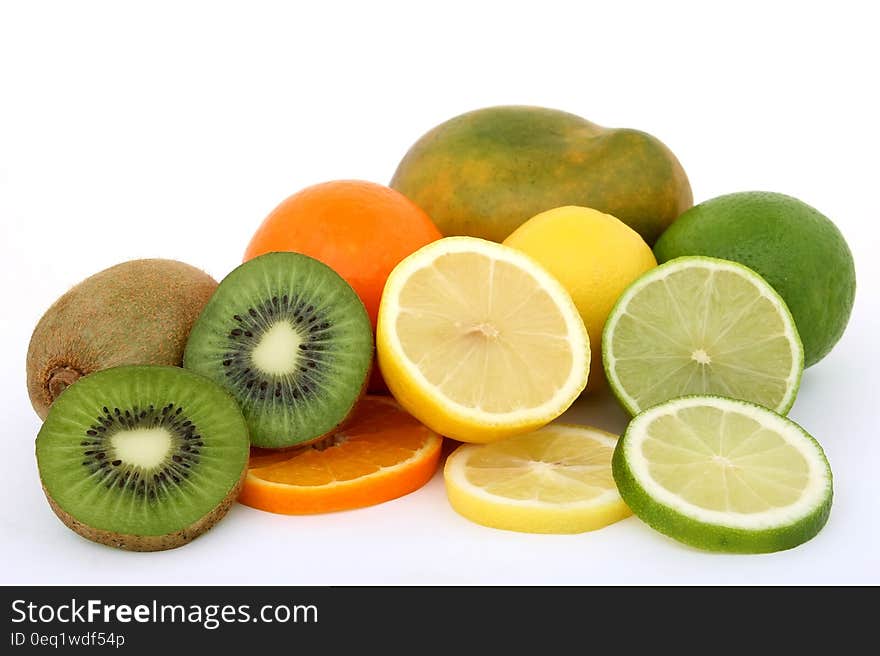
x,y
359,229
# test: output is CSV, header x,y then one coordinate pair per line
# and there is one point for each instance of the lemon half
x,y
478,341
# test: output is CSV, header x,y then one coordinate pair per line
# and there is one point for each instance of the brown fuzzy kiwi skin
x,y
149,542
137,312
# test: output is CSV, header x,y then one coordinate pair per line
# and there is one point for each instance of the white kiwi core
x,y
142,447
278,349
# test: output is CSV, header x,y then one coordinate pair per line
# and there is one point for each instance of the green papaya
x,y
485,172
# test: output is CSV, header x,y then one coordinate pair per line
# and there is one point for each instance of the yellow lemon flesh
x,y
557,479
479,342
594,256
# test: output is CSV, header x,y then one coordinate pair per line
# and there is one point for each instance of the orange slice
x,y
382,453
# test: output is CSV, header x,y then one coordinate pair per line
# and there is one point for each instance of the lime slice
x,y
724,475
699,325
554,480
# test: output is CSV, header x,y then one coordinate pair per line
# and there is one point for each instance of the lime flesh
x,y
724,475
701,325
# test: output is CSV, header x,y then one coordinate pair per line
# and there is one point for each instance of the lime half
x,y
724,475
699,325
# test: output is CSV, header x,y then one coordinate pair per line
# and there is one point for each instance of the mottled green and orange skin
x,y
485,172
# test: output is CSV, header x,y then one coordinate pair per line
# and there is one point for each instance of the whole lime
x,y
798,250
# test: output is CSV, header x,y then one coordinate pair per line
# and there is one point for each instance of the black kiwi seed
x,y
253,324
135,418
140,483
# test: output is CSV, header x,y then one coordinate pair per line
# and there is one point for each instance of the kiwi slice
x,y
291,340
142,457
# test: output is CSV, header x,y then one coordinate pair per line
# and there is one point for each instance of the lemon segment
x,y
478,341
556,479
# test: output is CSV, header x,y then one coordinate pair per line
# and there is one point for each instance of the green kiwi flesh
x,y
142,457
293,343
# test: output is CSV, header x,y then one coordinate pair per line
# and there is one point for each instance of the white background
x,y
170,129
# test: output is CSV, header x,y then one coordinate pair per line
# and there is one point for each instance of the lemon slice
x,y
556,479
724,475
479,342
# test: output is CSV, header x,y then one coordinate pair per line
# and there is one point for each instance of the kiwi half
x,y
142,457
137,312
291,340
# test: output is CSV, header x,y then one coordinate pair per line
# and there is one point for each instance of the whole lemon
x,y
594,255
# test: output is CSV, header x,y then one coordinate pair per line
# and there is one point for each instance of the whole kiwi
x,y
137,312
